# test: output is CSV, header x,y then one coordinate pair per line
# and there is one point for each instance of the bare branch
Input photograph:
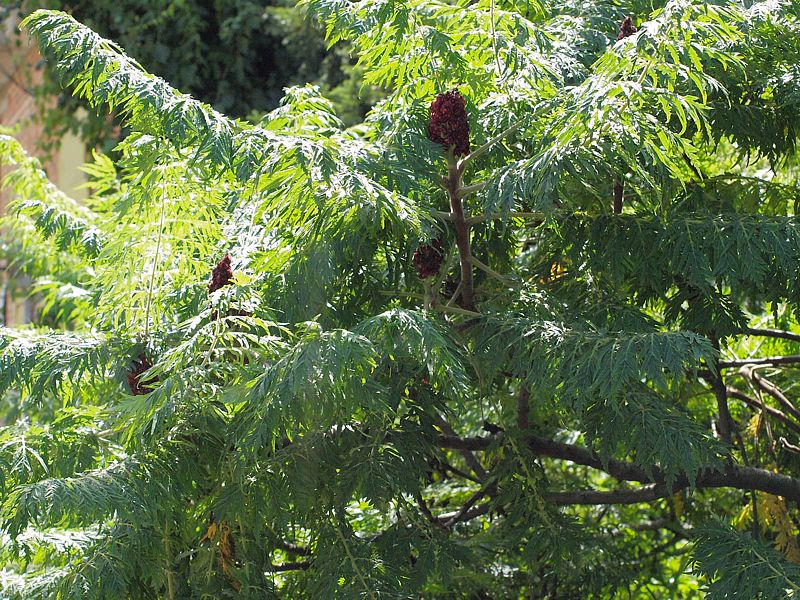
x,y
772,333
732,476
773,390
773,412
646,493
790,359
718,385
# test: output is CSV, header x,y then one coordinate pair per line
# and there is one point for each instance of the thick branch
x,y
738,477
461,228
618,194
772,333
646,493
718,385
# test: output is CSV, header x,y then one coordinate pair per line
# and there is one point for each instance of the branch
x,y
470,514
489,270
293,548
791,359
772,389
646,493
773,333
482,218
291,566
461,228
465,452
773,412
718,385
471,189
462,513
618,194
732,476
482,150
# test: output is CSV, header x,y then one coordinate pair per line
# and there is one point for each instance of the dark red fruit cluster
x,y
626,29
135,372
449,124
427,259
222,274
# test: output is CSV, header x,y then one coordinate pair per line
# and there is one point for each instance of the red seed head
x,y
221,275
135,372
449,124
427,259
626,29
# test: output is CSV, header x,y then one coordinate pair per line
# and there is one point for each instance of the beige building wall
x,y
18,73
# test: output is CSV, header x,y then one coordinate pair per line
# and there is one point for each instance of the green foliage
x,y
741,567
545,416
237,56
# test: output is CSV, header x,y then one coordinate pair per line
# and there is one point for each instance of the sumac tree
x,y
527,332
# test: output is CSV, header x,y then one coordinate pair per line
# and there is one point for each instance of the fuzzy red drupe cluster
x,y
135,372
427,259
449,123
626,29
222,274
